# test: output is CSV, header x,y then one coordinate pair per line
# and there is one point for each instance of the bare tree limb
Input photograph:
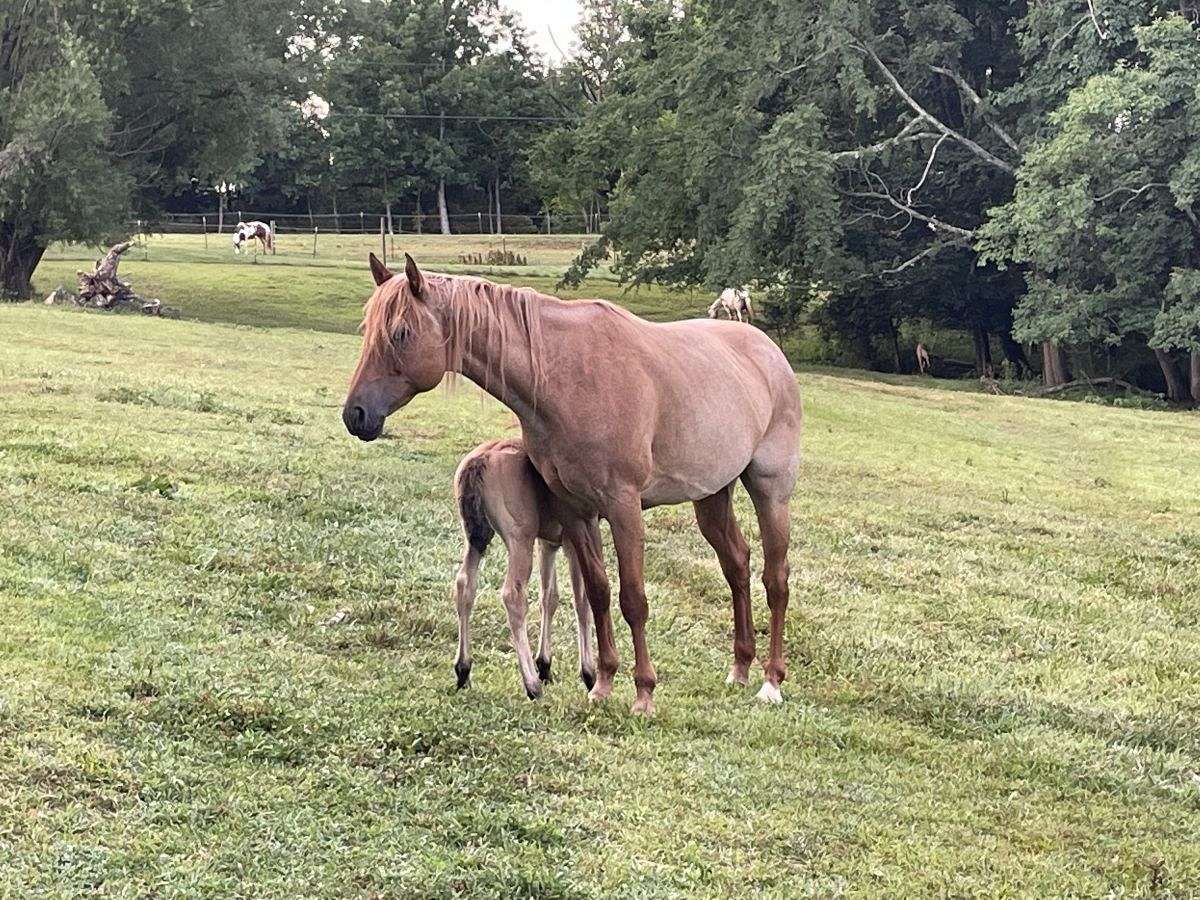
x,y
970,93
1095,21
1066,34
1134,193
909,263
961,235
928,167
982,152
910,133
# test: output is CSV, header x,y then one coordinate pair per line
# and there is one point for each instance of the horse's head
x,y
403,350
238,239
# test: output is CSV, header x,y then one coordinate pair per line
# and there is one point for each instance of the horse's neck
x,y
496,353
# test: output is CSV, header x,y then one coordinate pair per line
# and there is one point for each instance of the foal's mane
x,y
470,310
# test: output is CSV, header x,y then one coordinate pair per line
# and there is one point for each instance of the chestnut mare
x,y
618,415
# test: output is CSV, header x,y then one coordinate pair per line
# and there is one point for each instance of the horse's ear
x,y
379,271
416,282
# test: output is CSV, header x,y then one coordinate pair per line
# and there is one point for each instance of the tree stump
x,y
102,289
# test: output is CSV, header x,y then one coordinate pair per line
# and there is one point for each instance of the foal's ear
x,y
379,271
416,282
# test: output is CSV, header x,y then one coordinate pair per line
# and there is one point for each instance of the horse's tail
x,y
468,485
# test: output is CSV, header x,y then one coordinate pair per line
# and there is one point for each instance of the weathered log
x,y
1099,382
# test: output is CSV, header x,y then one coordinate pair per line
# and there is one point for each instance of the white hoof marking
x,y
769,693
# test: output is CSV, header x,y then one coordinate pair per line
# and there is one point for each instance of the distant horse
x,y
735,303
500,492
923,362
253,231
617,415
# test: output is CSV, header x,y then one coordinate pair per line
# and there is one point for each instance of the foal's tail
x,y
468,485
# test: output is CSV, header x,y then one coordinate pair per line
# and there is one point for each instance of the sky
x,y
545,16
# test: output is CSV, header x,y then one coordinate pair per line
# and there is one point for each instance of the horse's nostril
x,y
355,418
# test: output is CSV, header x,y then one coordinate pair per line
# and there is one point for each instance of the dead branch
x,y
969,92
1099,382
962,235
928,168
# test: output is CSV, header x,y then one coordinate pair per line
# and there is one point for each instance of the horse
x,y
923,361
251,231
735,303
630,420
500,492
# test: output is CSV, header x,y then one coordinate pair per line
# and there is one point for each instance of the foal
x,y
500,492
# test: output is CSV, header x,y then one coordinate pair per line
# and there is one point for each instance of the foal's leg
x,y
771,503
584,538
583,619
629,540
465,586
548,585
717,523
516,584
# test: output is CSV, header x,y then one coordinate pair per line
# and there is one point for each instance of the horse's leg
x,y
628,533
771,497
584,538
583,619
717,523
464,600
548,586
516,584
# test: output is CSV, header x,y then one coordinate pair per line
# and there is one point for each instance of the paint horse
x,y
617,415
735,303
500,492
253,231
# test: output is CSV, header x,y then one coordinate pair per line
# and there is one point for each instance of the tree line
x,y
1025,173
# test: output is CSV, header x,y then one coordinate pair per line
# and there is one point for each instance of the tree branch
x,y
975,148
962,235
908,135
970,94
928,167
1095,21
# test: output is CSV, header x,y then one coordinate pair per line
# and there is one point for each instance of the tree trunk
x,y
443,213
896,355
1054,365
19,257
337,220
491,224
221,213
1015,354
499,212
389,217
1196,375
1176,392
420,215
983,352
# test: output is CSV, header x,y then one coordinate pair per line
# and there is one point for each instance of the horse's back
x,y
512,493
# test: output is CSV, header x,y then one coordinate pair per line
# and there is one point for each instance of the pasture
x,y
227,639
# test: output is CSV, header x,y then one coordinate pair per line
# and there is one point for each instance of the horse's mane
x,y
469,309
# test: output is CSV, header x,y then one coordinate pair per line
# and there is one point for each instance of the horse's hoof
x,y
534,691
588,678
599,692
543,667
462,671
770,693
642,706
739,676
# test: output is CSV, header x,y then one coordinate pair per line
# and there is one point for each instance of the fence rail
x,y
370,223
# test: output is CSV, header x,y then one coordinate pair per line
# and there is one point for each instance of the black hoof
x,y
462,671
534,691
543,667
588,678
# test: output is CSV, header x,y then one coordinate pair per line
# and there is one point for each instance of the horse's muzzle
x,y
362,424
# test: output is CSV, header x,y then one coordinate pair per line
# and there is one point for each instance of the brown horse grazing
x,y
617,415
500,492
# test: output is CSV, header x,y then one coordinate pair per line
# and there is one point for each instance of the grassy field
x,y
227,638
326,292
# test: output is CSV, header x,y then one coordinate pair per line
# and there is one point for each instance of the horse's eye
x,y
400,337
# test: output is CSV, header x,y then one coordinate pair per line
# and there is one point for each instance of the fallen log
x,y
1099,382
102,289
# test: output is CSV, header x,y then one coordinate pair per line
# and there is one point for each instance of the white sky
x,y
545,16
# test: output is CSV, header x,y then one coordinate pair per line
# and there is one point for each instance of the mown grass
x,y
994,672
326,293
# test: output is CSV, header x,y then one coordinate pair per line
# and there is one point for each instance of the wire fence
x,y
362,222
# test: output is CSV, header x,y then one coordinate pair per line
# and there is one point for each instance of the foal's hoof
x,y
543,667
642,706
738,675
770,693
462,671
600,691
534,691
588,678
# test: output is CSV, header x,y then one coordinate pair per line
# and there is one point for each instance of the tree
x,y
107,108
1104,214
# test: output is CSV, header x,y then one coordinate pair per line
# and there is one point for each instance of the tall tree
x,y
105,108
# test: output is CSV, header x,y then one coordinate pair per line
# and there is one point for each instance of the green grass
x,y
995,683
326,293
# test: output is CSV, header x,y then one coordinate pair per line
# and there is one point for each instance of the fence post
x,y
480,221
362,222
547,222
272,237
315,230
204,224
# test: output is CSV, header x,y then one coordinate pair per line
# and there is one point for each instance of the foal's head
x,y
403,351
